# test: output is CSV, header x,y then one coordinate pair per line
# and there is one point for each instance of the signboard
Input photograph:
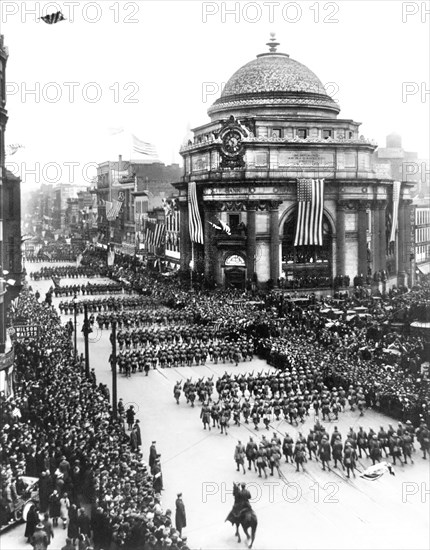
x,y
306,158
26,331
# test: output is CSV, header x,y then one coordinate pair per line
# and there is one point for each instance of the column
x,y
376,242
402,244
250,238
185,244
274,241
362,239
209,252
409,249
340,239
382,235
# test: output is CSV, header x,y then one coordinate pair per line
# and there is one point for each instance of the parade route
x,y
310,510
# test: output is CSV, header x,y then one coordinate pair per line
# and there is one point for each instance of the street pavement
x,y
311,510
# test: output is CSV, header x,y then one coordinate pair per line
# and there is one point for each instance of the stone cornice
x,y
273,99
204,145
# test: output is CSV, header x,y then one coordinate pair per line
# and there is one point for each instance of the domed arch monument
x,y
286,185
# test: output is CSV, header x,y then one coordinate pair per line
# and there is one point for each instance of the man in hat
x,y
158,476
180,516
152,454
39,540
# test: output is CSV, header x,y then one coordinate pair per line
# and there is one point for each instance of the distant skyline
x,y
159,75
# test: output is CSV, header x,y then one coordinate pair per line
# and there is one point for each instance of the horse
x,y
242,514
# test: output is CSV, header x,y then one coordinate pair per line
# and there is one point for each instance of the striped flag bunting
x,y
194,219
53,18
310,198
144,148
159,234
112,209
155,234
396,198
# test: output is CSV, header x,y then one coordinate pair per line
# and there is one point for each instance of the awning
x,y
424,268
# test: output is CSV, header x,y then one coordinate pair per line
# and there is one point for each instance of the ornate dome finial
x,y
272,44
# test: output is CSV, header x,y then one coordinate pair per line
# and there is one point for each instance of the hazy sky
x,y
154,68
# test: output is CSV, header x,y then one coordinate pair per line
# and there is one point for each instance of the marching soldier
x,y
325,452
349,459
239,456
362,442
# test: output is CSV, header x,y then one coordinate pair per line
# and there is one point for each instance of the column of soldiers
x,y
90,289
178,346
235,403
320,446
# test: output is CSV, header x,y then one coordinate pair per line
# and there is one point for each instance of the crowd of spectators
x,y
59,416
59,428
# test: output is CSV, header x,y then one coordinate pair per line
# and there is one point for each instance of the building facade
x,y
3,120
393,161
141,188
10,239
273,127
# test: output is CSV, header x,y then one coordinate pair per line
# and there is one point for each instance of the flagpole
x,y
192,265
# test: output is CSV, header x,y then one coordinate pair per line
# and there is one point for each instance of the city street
x,y
311,510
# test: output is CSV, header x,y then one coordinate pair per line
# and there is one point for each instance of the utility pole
x,y
87,348
113,366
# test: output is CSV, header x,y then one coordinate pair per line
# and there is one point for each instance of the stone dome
x,y
273,80
273,73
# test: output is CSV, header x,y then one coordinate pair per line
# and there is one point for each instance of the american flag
x,y
144,148
194,219
159,234
53,18
112,209
310,198
396,197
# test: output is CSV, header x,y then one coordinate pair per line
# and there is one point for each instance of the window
x,y
276,132
233,221
262,131
350,135
327,134
302,133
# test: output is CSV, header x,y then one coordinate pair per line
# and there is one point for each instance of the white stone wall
x,y
351,220
261,222
351,256
262,264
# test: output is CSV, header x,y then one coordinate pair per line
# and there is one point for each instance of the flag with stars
x,y
310,198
